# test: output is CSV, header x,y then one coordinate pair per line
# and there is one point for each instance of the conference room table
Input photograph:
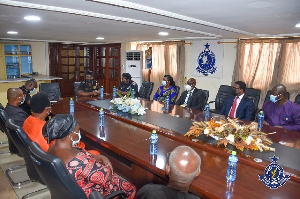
x,y
125,141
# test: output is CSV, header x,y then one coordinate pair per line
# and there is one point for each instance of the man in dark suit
x,y
239,106
192,97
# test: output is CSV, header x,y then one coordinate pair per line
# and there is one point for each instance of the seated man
x,y
15,97
127,85
239,106
33,125
180,176
280,111
89,87
192,97
29,88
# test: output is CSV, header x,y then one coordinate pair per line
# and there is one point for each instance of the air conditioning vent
x,y
134,56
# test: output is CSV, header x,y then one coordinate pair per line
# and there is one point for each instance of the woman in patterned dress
x,y
167,89
91,172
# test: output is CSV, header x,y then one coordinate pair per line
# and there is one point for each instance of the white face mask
x,y
188,87
77,141
22,102
164,83
32,91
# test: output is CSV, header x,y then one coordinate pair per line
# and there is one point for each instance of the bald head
x,y
280,92
184,164
14,96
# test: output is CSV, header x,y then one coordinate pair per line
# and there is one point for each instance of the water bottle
x,y
260,120
167,104
206,113
132,93
153,143
231,171
101,92
101,117
114,92
71,105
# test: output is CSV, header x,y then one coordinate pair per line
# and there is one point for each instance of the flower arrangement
x,y
127,104
241,136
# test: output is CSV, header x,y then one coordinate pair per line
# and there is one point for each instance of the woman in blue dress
x,y
168,88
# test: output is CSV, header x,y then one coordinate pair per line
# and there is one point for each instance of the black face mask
x,y
88,80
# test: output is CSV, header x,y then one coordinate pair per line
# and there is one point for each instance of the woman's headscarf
x,y
59,127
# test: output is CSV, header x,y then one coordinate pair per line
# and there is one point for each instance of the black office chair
x,y
253,94
51,89
2,128
1,107
206,92
56,176
76,85
146,90
11,146
297,99
177,92
22,141
269,93
223,93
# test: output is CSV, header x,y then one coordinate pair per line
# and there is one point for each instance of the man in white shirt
x,y
239,106
192,97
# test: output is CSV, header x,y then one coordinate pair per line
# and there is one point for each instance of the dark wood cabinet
x,y
71,61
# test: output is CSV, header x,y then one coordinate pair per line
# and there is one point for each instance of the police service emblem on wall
x,y
274,175
206,61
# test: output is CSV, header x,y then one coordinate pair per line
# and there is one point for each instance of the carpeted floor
x,y
6,161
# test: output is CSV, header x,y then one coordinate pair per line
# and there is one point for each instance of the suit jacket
x,y
197,100
244,111
16,113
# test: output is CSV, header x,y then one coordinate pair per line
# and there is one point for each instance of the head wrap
x,y
39,102
59,127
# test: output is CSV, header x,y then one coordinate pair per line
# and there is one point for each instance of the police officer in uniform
x,y
89,87
127,84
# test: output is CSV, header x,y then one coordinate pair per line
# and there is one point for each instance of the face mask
x,y
32,91
164,83
23,101
88,80
77,141
273,98
188,87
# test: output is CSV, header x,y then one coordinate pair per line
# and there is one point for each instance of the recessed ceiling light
x,y
297,25
100,38
163,33
32,18
12,32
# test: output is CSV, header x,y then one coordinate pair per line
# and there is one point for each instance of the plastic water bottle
x,y
133,93
231,171
167,104
206,113
101,92
71,105
153,143
101,117
114,92
260,120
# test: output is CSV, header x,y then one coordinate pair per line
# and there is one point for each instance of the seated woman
x,y
167,89
92,172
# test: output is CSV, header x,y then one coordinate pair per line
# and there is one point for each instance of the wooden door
x,y
108,66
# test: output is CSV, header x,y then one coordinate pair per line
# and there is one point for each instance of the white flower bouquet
x,y
128,105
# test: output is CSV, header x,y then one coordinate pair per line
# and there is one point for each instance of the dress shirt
x,y
237,104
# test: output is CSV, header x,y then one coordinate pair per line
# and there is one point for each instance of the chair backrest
x,y
206,92
177,92
146,90
223,93
269,93
22,141
253,94
76,85
1,107
51,89
3,119
55,174
297,99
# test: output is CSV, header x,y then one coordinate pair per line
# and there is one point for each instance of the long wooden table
x,y
125,141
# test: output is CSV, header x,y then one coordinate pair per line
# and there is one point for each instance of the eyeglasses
x,y
235,88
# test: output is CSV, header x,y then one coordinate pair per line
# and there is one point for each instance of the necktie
x,y
231,114
186,101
